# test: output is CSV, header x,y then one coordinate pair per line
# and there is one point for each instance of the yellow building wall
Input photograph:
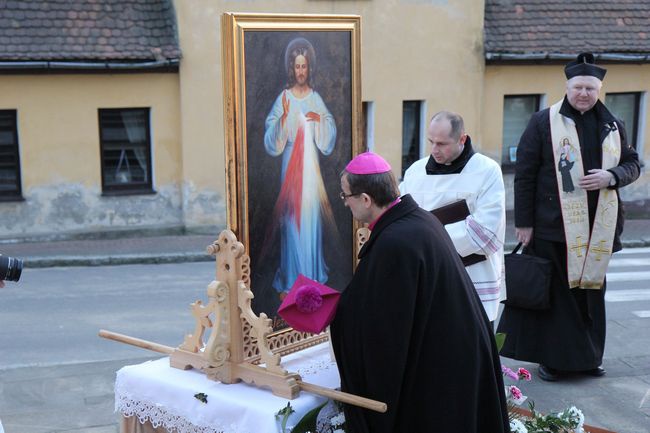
x,y
429,51
59,145
411,50
549,81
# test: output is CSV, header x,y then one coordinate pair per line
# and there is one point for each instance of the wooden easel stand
x,y
343,397
240,340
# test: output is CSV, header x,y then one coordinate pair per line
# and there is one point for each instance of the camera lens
x,y
10,268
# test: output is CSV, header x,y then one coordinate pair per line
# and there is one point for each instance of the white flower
x,y
517,426
338,420
576,414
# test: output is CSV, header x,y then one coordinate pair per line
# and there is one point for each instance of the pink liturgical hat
x,y
368,163
309,306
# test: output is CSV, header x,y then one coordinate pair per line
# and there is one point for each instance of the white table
x,y
162,398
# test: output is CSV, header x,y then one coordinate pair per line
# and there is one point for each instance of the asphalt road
x,y
57,375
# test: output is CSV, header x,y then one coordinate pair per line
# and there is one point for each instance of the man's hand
x,y
596,179
313,117
285,107
524,234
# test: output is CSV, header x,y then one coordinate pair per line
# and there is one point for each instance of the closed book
x,y
454,212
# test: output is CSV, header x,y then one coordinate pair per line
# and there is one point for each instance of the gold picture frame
x,y
259,53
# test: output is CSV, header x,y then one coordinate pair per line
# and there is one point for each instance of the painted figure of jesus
x,y
298,128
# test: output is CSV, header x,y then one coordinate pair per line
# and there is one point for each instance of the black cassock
x,y
411,331
564,167
570,335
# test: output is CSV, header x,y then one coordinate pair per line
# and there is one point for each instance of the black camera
x,y
10,268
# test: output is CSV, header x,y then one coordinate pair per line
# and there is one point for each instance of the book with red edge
x,y
454,212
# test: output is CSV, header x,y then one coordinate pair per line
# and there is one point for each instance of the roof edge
x,y
46,65
551,57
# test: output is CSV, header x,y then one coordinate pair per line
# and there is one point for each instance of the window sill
x,y
11,198
113,193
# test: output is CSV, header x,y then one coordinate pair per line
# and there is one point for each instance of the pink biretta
x,y
309,306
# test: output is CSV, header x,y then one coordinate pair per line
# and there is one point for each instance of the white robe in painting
x,y
480,183
301,227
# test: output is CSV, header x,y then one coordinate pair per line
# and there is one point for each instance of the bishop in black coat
x,y
410,331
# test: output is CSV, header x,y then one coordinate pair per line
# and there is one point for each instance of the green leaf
x,y
202,397
284,413
308,422
500,338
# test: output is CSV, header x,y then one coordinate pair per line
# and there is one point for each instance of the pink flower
x,y
514,395
515,392
308,299
509,373
524,374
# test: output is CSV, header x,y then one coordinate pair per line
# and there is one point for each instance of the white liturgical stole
x,y
588,254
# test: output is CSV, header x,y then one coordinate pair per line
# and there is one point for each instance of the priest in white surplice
x,y
455,172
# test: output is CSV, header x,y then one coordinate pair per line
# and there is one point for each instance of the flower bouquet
x,y
521,421
325,418
570,420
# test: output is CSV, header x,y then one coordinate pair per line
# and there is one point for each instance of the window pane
x,y
625,106
8,180
126,149
410,133
9,157
516,113
6,137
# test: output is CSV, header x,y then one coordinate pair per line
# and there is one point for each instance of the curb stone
x,y
160,258
126,259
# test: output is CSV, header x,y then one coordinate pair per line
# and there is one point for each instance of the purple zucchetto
x,y
368,163
584,64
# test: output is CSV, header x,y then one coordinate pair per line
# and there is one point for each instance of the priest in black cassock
x,y
576,228
410,329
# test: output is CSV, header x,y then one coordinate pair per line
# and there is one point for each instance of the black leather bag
x,y
528,280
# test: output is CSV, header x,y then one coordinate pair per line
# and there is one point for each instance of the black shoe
x,y
595,372
547,373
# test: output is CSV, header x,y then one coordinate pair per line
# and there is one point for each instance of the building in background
x,y
527,43
89,117
111,114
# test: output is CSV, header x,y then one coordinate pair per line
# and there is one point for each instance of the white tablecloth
x,y
155,392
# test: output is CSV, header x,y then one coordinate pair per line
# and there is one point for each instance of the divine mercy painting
x,y
299,134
